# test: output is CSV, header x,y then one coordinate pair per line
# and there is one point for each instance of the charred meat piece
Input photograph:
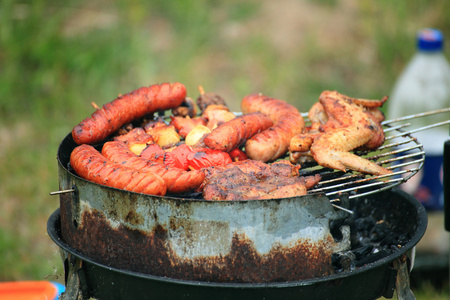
x,y
187,108
135,136
246,166
274,188
206,99
252,180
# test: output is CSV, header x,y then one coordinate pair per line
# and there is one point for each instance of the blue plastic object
x,y
430,39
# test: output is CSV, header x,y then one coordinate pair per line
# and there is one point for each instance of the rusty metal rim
x,y
54,232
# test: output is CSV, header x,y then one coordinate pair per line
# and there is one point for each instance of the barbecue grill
x,y
333,243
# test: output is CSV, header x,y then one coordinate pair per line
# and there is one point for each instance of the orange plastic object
x,y
28,290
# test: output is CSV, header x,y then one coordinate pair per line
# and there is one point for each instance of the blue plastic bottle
x,y
423,86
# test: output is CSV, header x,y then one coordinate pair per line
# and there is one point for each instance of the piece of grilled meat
x,y
253,180
341,124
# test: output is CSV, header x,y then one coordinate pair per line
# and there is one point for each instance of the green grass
x,y
56,57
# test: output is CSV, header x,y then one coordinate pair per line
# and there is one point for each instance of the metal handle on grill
x,y
62,192
446,184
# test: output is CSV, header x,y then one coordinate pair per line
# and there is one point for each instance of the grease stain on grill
x,y
150,253
133,218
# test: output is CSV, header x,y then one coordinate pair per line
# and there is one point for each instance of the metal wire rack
x,y
401,153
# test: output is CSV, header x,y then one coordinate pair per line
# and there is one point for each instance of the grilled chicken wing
x,y
341,124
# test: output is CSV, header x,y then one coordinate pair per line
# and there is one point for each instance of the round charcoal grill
x,y
378,276
122,245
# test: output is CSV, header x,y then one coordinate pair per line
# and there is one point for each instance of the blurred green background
x,y
58,56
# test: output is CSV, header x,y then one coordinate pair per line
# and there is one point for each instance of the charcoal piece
x,y
372,257
381,231
343,261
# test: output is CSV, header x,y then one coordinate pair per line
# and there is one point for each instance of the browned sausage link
x,y
273,142
177,180
127,108
235,132
91,165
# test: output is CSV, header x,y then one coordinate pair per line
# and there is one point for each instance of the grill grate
x,y
401,153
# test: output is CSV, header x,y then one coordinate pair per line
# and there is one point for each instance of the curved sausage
x,y
127,108
235,132
177,180
91,165
272,143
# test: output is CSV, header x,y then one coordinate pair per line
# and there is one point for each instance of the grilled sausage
x,y
272,143
188,158
91,165
235,132
127,108
177,180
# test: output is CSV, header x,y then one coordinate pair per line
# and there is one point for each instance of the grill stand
x,y
402,283
73,278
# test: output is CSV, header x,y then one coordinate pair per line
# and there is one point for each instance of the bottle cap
x,y
430,39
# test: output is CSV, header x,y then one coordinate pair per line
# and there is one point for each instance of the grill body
x,y
121,245
370,281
